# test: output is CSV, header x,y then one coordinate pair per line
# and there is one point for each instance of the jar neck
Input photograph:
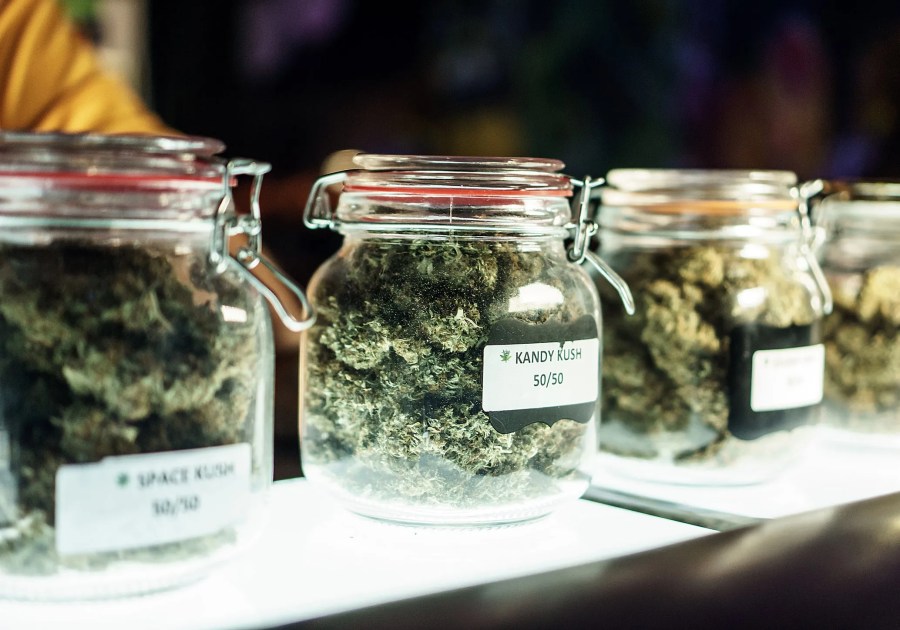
x,y
610,243
736,223
860,240
124,208
459,215
175,238
545,243
860,224
692,204
872,219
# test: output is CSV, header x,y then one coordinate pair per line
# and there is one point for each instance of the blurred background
x,y
808,86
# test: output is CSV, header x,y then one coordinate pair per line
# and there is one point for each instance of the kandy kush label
x,y
540,373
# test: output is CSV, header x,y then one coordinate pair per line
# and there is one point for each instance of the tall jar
x,y
718,375
137,365
861,259
451,377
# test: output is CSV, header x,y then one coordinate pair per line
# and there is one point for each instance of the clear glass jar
x,y
718,375
451,377
137,365
861,259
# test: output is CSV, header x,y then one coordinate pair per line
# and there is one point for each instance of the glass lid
x,y
458,175
54,160
868,204
53,177
699,191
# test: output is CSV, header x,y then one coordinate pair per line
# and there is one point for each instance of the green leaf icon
x,y
505,355
122,480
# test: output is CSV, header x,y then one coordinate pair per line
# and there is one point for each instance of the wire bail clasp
x,y
248,257
813,236
318,212
585,228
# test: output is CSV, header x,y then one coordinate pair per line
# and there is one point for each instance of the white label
x,y
539,375
787,378
141,500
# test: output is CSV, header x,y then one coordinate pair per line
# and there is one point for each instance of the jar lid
x,y
121,177
431,175
859,220
108,161
861,199
702,192
394,193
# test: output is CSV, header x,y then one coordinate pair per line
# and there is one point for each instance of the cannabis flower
x,y
671,372
862,351
112,350
394,372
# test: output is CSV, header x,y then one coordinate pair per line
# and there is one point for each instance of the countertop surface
x,y
313,558
837,467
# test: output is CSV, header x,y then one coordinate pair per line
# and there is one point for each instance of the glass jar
x,y
451,377
861,259
137,365
718,375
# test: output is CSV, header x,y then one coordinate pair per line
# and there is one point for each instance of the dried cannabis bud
x,y
862,350
112,350
669,373
394,373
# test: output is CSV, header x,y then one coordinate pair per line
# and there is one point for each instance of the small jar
x,y
718,375
137,365
861,259
452,375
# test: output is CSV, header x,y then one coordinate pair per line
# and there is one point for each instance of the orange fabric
x,y
51,80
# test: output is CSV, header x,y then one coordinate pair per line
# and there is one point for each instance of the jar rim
x,y
194,145
74,178
863,190
636,179
384,161
466,176
872,205
723,192
120,161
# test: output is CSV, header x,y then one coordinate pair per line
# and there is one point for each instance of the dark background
x,y
812,87
808,86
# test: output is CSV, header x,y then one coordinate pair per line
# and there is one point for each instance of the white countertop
x,y
313,558
837,468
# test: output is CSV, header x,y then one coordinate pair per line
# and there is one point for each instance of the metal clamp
x,y
318,212
811,236
229,224
585,228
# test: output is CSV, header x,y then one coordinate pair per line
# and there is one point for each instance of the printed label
x,y
141,500
787,378
774,378
540,373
